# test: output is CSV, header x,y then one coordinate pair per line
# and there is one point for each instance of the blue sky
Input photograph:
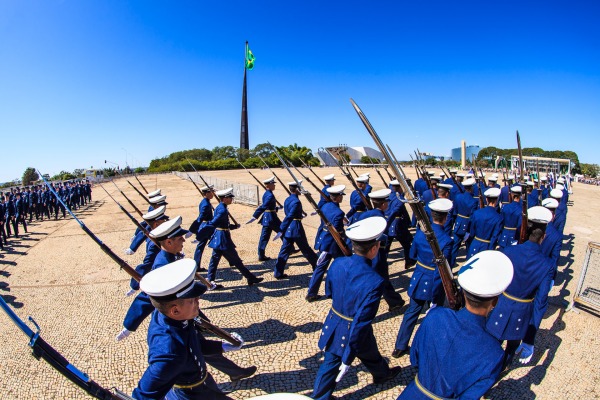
x,y
85,81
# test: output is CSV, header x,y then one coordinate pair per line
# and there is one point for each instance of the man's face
x,y
361,185
337,198
187,309
174,245
270,186
209,195
227,200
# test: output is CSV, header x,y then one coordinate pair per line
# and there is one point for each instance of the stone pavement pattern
x,y
76,294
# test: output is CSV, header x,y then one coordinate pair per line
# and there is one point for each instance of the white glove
x,y
526,351
466,237
123,335
322,257
187,235
130,292
313,213
277,236
343,370
229,347
251,220
128,251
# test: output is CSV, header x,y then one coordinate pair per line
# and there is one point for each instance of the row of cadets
x,y
292,232
357,206
155,200
201,226
329,182
533,272
464,207
431,193
425,284
512,215
455,355
505,190
399,223
486,225
533,199
324,242
355,290
267,212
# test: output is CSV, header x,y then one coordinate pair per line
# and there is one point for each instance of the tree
x,y
591,170
79,173
264,150
221,153
29,176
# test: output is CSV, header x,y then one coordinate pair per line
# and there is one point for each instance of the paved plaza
x,y
76,293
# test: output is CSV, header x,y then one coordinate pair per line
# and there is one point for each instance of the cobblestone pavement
x,y
76,294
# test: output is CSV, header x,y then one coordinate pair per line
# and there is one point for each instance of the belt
x,y
510,229
360,211
426,392
505,202
222,229
297,219
425,266
482,240
270,210
517,298
339,314
463,216
193,385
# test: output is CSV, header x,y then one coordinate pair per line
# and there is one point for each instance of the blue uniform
x,y
421,186
176,357
425,283
355,289
203,229
323,200
560,215
398,225
486,225
139,237
511,220
152,251
504,198
326,243
293,232
428,196
267,212
223,246
463,208
357,206
552,244
455,356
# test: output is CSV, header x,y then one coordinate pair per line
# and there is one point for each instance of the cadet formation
x,y
505,276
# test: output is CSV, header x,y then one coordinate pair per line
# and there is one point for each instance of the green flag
x,y
249,58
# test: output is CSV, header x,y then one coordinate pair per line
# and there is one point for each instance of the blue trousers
x,y
138,311
199,251
137,241
231,255
455,247
409,320
318,273
265,235
328,371
381,266
287,247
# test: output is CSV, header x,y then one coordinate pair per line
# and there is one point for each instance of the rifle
x,y
200,322
378,172
138,192
262,185
340,153
448,282
408,182
311,170
127,198
460,188
324,194
190,178
135,175
41,349
334,233
216,196
523,232
539,182
276,177
348,175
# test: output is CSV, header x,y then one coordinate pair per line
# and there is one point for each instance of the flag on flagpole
x,y
249,58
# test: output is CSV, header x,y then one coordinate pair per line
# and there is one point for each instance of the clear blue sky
x,y
85,81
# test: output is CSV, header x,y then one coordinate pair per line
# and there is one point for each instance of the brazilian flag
x,y
249,58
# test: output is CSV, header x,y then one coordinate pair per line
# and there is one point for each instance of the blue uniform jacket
x,y
504,198
552,244
152,251
448,225
396,215
323,200
357,205
421,186
221,238
426,283
292,223
355,289
511,220
486,225
511,316
267,211
428,195
175,357
455,355
163,258
464,207
335,216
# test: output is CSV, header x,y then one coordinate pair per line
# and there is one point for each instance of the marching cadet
x,y
381,200
292,231
533,273
493,181
532,195
454,191
176,350
511,218
486,225
19,213
222,244
155,199
455,355
425,284
267,212
560,214
463,208
2,223
505,191
357,206
327,246
443,192
544,187
329,182
553,241
431,194
33,199
421,184
399,223
201,226
9,216
355,290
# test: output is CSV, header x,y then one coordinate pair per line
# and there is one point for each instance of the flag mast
x,y
248,65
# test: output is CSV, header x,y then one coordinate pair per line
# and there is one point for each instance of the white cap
x,y
380,194
294,183
435,178
329,177
367,174
440,205
155,214
560,180
539,214
445,186
337,189
442,174
516,189
559,186
155,193
482,174
469,175
225,192
270,180
173,281
529,183
430,173
511,177
167,230
157,199
494,175
492,192
556,193
363,178
395,182
486,274
366,229
493,178
550,203
461,175
543,179
453,170
205,189
468,182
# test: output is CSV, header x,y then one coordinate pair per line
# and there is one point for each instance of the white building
x,y
354,153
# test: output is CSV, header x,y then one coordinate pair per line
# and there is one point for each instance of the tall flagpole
x,y
244,143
